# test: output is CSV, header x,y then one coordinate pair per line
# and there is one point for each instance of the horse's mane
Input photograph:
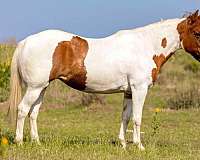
x,y
187,14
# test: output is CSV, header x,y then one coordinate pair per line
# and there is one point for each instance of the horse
x,y
128,62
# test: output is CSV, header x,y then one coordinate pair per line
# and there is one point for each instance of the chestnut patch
x,y
68,63
164,42
159,61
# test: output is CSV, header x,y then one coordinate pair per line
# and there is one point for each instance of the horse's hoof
x,y
123,143
36,141
141,147
18,142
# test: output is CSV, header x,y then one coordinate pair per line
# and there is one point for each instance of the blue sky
x,y
90,18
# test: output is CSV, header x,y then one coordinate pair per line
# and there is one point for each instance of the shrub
x,y
4,75
184,97
88,99
193,67
5,61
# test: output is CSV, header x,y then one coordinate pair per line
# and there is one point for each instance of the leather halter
x,y
197,37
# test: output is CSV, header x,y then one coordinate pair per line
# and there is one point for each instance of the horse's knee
x,y
22,111
33,115
137,120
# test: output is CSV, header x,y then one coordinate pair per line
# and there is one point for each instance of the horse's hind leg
x,y
126,114
33,114
28,100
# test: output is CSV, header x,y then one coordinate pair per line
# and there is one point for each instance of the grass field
x,y
76,132
70,130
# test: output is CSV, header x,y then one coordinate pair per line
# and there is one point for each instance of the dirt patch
x,y
4,106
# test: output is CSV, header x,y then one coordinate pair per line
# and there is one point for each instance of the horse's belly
x,y
112,87
105,71
105,80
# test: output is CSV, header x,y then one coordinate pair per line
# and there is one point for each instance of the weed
x,y
156,122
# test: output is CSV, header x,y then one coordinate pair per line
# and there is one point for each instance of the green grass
x,y
76,132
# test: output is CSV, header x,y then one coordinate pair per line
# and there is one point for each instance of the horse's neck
x,y
160,38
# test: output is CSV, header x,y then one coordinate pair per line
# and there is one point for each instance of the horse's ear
x,y
195,14
193,17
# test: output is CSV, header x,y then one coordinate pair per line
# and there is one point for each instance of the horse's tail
x,y
15,87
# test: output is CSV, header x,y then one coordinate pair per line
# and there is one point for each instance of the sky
x,y
89,18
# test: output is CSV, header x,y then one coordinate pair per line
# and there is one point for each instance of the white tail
x,y
15,87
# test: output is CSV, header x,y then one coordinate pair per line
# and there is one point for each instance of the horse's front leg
x,y
138,97
126,114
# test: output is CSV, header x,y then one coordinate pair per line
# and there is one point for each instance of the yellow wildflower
x,y
157,110
4,141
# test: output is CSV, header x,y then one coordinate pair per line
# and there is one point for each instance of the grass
x,y
70,130
76,132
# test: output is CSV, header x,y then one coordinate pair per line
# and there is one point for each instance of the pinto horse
x,y
128,61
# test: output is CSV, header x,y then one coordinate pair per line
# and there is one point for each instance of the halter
x,y
197,37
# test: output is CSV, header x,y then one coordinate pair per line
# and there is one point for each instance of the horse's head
x,y
189,31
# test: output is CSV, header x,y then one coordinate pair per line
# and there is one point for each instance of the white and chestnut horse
x,y
128,61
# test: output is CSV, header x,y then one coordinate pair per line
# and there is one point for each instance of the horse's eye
x,y
197,35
